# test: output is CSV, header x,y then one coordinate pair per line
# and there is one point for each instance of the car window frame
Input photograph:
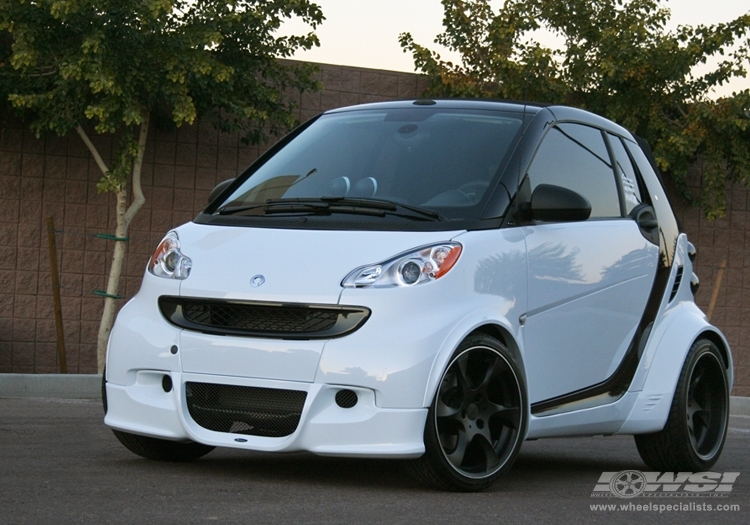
x,y
618,184
642,188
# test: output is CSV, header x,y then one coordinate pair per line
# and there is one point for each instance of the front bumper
x,y
388,370
325,428
391,363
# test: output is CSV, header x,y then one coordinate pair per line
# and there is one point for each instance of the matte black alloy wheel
x,y
478,412
706,410
478,419
693,437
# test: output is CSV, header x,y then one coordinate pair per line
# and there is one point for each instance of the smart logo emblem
x,y
257,280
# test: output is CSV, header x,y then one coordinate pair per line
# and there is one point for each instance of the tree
x,y
619,60
117,64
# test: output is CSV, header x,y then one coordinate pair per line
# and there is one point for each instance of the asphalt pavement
x,y
60,464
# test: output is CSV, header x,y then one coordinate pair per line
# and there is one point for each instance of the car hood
x,y
295,266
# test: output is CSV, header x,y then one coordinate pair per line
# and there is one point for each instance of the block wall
x,y
56,177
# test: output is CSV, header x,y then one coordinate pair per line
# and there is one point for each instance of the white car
x,y
436,281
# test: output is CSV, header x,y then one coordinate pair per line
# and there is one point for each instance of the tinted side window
x,y
627,174
575,157
664,214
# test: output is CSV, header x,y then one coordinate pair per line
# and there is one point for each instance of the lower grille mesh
x,y
246,410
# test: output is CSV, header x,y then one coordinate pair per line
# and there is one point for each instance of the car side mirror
x,y
551,203
220,187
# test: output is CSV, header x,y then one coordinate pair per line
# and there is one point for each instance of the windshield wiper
x,y
306,205
327,205
323,205
390,207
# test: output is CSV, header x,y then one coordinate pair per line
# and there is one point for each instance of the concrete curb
x,y
64,386
739,406
88,386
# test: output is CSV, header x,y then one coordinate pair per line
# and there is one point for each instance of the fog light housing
x,y
346,398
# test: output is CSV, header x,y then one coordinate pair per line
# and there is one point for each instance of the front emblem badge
x,y
257,280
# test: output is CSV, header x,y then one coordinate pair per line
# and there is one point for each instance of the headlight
x,y
168,261
407,269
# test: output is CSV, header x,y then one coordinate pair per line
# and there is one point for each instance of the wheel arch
x,y
661,365
502,334
718,339
499,329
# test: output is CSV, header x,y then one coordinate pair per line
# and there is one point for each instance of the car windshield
x,y
421,160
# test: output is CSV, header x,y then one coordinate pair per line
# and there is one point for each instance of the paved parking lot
x,y
60,464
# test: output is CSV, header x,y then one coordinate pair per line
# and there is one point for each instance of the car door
x,y
588,281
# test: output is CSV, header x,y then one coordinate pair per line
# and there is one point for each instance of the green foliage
x,y
617,59
112,62
115,179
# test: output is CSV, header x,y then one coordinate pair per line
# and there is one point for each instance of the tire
x,y
477,420
104,391
154,448
693,437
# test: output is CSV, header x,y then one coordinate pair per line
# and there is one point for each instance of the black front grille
x,y
286,321
260,318
254,411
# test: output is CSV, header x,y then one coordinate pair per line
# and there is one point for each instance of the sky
x,y
365,33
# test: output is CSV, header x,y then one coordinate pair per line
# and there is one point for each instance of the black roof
x,y
556,113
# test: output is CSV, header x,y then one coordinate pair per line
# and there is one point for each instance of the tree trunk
x,y
110,302
125,215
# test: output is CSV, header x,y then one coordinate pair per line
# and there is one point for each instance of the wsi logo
x,y
632,483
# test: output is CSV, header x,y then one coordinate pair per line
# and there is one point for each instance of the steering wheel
x,y
474,189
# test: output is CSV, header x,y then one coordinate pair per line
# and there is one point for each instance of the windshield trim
x,y
344,223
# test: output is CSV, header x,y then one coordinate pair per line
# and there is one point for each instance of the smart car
x,y
430,280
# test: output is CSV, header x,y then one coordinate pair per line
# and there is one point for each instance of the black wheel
x,y
161,449
477,420
104,391
693,437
